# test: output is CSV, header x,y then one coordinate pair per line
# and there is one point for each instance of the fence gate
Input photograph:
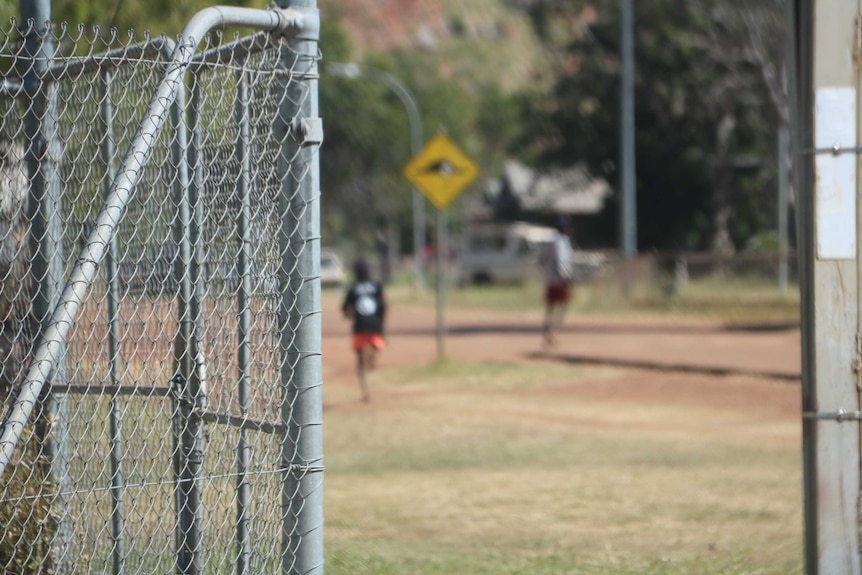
x,y
159,262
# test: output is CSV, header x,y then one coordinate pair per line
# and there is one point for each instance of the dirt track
x,y
689,362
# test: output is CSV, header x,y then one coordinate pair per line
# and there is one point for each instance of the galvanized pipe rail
x,y
243,304
299,281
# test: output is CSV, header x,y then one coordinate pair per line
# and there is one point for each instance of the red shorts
x,y
557,294
363,340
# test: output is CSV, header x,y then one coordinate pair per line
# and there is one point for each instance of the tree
x,y
367,141
708,101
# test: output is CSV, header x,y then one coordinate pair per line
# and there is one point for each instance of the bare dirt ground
x,y
680,362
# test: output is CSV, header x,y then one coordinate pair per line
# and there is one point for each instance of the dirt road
x,y
690,361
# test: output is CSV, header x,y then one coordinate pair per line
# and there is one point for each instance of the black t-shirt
x,y
366,300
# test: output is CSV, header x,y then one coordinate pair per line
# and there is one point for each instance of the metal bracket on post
x,y
840,416
857,362
835,150
298,22
299,470
308,131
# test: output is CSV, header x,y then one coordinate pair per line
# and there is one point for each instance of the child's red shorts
x,y
557,294
363,340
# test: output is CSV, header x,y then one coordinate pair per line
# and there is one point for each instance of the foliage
x,y
708,104
709,99
367,142
368,136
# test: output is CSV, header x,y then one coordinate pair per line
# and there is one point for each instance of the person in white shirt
x,y
558,280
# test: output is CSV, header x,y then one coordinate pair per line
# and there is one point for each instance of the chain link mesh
x,y
159,441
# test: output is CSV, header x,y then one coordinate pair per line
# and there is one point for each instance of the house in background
x,y
523,194
500,238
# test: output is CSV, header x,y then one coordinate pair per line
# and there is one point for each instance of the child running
x,y
558,280
365,304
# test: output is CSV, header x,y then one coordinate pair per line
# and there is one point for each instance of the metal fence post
x,y
113,296
188,379
46,220
243,145
299,312
798,14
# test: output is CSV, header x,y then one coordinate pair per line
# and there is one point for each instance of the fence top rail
x,y
275,22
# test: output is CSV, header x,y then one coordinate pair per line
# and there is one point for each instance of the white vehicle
x,y
332,272
502,253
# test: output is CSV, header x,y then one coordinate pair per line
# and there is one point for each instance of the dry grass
x,y
513,468
453,470
733,302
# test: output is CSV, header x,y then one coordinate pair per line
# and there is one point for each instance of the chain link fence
x,y
163,409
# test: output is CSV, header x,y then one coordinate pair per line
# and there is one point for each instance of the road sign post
x,y
441,171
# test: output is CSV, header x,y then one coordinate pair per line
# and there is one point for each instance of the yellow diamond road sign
x,y
441,171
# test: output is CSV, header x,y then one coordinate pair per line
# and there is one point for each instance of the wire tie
x,y
840,415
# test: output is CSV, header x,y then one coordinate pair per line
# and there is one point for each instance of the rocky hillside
x,y
475,41
379,25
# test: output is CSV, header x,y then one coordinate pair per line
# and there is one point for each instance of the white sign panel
x,y
835,184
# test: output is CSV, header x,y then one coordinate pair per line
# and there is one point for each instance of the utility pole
x,y
783,185
628,212
825,141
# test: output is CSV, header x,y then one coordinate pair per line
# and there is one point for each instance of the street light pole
x,y
628,214
351,70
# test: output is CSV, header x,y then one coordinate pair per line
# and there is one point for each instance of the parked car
x,y
502,253
512,253
332,272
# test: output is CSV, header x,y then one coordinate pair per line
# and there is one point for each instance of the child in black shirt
x,y
365,303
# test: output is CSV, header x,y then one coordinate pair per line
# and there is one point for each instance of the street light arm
x,y
409,102
351,70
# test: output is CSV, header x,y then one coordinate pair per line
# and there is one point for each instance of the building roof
x,y
567,191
